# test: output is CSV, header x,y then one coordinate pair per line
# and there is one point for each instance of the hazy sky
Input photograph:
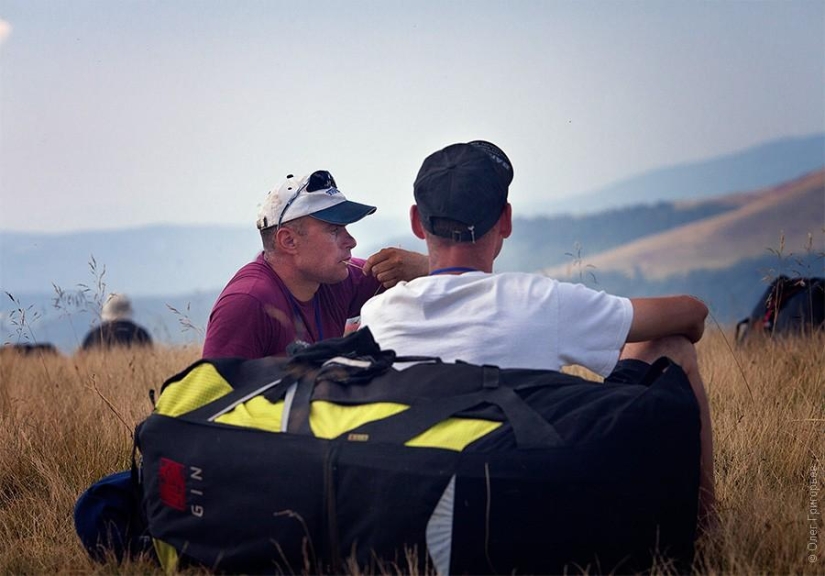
x,y
117,113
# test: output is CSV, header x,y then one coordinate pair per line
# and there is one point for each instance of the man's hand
x,y
391,265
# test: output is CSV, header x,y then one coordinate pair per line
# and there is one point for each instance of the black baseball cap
x,y
461,190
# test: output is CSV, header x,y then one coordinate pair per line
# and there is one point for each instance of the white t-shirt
x,y
511,320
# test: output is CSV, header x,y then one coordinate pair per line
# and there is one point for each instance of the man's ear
x,y
415,221
505,221
286,240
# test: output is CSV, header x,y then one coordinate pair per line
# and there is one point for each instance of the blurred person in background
x,y
116,327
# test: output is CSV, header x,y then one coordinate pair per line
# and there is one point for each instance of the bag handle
x,y
530,428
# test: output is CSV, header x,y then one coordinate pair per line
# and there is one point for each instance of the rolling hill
x,y
754,225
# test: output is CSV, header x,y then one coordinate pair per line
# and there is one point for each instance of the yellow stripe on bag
x,y
167,555
258,413
453,433
329,420
199,386
203,384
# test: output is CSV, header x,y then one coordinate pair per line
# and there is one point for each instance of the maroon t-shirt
x,y
256,316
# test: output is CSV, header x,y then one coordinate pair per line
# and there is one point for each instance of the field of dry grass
x,y
65,421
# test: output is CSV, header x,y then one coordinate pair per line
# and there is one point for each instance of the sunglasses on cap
x,y
320,180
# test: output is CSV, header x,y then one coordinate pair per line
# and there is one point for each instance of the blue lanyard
x,y
299,318
453,269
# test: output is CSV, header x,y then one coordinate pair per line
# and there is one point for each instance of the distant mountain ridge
x,y
788,218
543,241
147,261
757,167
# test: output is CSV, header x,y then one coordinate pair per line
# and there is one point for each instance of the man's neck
x,y
458,263
478,255
301,289
460,257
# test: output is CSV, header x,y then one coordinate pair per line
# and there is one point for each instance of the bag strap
x,y
530,428
274,389
358,343
418,359
298,417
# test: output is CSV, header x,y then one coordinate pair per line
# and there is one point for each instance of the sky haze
x,y
130,113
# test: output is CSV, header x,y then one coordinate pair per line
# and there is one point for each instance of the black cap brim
x,y
344,213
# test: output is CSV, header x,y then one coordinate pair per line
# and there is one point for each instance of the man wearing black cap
x,y
462,311
305,284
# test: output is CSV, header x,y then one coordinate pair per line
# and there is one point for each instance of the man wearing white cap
x,y
116,327
305,284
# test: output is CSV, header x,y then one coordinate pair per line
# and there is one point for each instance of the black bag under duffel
x,y
334,458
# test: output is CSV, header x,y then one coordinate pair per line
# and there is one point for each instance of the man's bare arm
x,y
667,316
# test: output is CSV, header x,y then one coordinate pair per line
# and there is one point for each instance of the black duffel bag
x,y
334,460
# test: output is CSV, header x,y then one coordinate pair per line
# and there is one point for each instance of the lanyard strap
x,y
459,269
296,310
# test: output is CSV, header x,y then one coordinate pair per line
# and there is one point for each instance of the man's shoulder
x,y
469,286
257,267
521,277
506,280
254,279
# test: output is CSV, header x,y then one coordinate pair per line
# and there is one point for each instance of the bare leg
x,y
682,352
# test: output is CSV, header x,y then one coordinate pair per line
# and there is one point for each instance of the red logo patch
x,y
172,484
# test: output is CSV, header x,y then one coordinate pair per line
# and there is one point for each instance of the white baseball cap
x,y
313,195
117,307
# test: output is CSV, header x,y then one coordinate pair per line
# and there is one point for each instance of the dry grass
x,y
768,412
66,421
